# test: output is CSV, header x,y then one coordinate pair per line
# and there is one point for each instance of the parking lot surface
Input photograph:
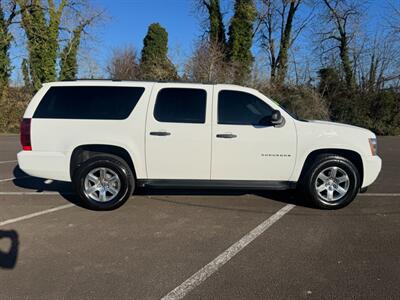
x,y
197,245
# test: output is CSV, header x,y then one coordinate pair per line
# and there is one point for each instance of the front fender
x,y
325,137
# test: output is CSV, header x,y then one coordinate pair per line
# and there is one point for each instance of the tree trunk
x,y
283,57
346,62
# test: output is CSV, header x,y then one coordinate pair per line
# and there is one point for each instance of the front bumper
x,y
372,168
50,165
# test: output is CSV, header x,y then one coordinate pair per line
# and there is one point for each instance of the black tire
x,y
324,162
116,165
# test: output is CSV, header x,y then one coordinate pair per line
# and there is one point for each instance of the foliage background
x,y
320,59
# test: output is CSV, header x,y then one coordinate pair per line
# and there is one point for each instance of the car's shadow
x,y
36,184
65,189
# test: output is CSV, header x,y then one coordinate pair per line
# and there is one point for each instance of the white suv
x,y
109,137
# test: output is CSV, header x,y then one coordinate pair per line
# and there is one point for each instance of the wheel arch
x,y
351,155
84,152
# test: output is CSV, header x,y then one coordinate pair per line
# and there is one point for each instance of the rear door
x,y
178,132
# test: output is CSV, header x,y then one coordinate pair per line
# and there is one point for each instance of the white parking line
x,y
380,195
33,193
205,272
13,178
36,214
8,161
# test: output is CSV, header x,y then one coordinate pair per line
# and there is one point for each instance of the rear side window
x,y
88,102
180,105
240,108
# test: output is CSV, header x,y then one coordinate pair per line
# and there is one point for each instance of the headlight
x,y
373,144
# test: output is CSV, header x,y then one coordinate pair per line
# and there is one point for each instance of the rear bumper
x,y
372,168
51,165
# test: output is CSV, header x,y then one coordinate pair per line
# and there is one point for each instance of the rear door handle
x,y
226,136
160,133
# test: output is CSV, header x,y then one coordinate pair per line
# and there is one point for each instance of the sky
x,y
127,22
129,19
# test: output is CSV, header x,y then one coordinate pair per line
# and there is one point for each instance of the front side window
x,y
241,108
88,102
181,105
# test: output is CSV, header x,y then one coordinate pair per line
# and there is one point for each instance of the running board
x,y
217,184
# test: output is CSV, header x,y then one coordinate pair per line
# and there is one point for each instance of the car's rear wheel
x,y
104,182
332,181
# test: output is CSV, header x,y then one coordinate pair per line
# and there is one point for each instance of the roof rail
x,y
159,81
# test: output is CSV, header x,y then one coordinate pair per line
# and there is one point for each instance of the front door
x,y
243,146
178,132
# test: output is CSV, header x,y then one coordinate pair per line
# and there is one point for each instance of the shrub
x,y
303,101
378,111
12,107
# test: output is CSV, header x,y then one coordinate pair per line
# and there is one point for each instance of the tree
x,y
25,74
69,65
5,43
123,64
378,65
241,38
277,23
395,17
42,26
208,64
216,27
330,83
154,62
42,39
333,89
341,17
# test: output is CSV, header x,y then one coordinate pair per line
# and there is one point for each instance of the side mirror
x,y
276,118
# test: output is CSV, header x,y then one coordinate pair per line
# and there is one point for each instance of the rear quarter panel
x,y
64,135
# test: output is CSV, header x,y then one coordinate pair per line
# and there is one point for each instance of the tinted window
x,y
88,102
241,108
179,105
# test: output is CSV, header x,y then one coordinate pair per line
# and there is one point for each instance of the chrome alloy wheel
x,y
102,184
332,184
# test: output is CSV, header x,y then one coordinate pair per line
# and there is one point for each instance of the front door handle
x,y
160,133
226,136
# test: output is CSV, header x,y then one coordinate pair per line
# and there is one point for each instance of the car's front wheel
x,y
104,182
332,181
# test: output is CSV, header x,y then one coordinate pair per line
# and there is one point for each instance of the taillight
x,y
26,134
